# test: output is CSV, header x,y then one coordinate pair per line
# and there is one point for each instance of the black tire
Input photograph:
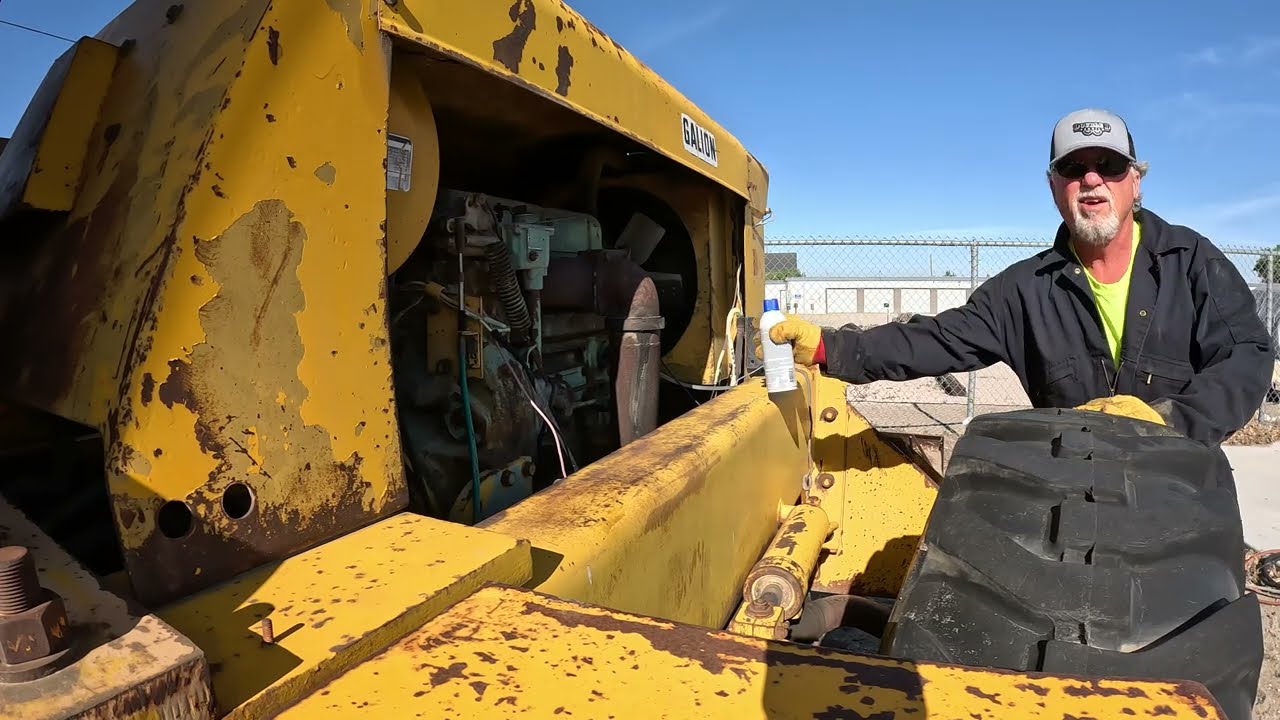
x,y
1078,543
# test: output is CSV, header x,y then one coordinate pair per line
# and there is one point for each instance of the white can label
x,y
399,162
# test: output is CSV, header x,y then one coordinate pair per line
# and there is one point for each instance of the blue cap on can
x,y
770,304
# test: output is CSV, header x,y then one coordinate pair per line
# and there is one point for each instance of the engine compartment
x,y
561,340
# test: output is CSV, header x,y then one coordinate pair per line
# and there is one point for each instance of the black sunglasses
x,y
1109,166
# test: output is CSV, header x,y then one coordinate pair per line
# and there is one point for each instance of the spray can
x,y
779,362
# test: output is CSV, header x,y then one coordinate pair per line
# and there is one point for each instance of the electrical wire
x,y
38,32
520,373
669,377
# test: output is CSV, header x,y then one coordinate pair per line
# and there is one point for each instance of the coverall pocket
x,y
1164,377
1058,388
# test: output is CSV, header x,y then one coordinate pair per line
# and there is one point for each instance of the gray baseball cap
x,y
1091,128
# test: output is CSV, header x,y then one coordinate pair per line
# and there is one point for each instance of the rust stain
x,y
440,676
717,652
564,65
1094,688
509,49
231,382
148,388
1040,690
978,693
273,45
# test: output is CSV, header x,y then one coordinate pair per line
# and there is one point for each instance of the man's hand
x,y
1126,405
805,338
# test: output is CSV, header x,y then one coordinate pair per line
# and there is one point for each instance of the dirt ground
x,y
1268,705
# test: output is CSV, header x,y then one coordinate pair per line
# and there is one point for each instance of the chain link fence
x,y
872,281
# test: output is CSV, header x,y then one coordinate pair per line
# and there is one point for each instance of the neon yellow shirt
x,y
1113,298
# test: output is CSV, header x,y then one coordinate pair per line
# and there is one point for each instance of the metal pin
x,y
268,636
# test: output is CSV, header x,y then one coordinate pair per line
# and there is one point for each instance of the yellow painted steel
x,y
336,605
47,176
759,620
553,51
781,576
506,652
215,302
132,665
411,116
876,497
670,524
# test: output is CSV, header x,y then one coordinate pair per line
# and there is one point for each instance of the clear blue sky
x,y
926,117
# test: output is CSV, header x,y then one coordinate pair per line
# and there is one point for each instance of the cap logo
x,y
1096,129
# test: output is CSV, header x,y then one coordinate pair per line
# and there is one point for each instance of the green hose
x,y
460,240
471,430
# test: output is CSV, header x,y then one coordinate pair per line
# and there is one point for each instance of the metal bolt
x,y
533,255
829,414
19,586
268,635
826,481
759,609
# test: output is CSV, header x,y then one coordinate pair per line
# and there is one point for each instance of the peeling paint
x,y
564,65
231,379
509,50
327,173
273,45
349,11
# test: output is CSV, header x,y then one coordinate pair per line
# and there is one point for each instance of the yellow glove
x,y
803,336
1126,405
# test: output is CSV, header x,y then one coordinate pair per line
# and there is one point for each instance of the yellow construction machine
x,y
395,357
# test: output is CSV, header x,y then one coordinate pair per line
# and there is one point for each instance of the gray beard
x,y
1096,230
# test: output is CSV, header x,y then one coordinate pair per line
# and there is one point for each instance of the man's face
x,y
1094,190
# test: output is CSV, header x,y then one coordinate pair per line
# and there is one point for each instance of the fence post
x,y
1271,321
1271,326
973,285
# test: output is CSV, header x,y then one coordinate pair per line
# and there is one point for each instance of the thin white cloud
x,y
680,30
1197,113
1262,201
1204,56
1242,52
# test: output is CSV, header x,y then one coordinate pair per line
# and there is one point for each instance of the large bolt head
x,y
36,633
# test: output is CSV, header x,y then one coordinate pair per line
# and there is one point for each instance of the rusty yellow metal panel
x,y
757,214
879,500
554,51
670,524
123,665
333,606
215,303
410,116
507,652
42,169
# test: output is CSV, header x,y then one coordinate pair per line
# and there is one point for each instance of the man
x,y
1123,304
